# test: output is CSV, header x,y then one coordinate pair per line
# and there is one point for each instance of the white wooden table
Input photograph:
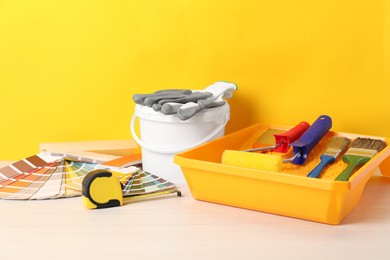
x,y
183,228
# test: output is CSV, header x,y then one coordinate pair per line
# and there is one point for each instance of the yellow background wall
x,y
68,69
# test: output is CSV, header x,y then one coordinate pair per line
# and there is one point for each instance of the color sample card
x,y
28,183
144,183
23,166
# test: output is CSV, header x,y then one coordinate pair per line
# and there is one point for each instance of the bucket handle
x,y
156,150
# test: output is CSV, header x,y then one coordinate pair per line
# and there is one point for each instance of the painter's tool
x,y
336,146
283,140
219,90
301,150
102,189
257,161
309,139
360,152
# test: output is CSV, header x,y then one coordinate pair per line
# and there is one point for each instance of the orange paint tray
x,y
289,192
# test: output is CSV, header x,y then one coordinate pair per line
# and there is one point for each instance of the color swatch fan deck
x,y
51,176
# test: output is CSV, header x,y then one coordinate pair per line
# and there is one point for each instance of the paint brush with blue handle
x,y
336,146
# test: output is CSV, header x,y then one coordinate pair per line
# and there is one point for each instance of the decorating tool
x,y
102,189
303,146
283,140
301,150
336,146
257,161
360,152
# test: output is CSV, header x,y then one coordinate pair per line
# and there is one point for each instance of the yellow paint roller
x,y
258,161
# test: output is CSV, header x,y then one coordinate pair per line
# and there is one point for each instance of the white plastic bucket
x,y
163,136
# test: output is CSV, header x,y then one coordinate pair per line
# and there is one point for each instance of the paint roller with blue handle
x,y
269,162
309,139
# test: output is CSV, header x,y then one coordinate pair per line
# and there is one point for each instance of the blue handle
x,y
325,160
310,138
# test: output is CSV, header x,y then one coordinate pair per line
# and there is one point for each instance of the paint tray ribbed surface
x,y
288,192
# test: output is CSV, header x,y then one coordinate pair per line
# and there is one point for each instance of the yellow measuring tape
x,y
102,189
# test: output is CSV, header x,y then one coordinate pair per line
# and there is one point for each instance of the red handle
x,y
290,136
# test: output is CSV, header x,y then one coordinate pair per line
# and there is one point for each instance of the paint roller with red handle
x,y
283,140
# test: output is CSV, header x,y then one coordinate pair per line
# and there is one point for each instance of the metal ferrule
x,y
332,152
361,152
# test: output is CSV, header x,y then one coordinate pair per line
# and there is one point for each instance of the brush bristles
x,y
336,146
366,147
368,143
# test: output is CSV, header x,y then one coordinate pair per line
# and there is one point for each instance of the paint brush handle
x,y
285,139
353,162
310,138
325,160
